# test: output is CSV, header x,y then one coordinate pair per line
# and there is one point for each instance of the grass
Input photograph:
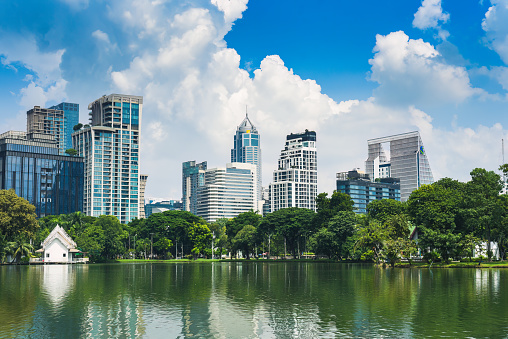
x,y
483,264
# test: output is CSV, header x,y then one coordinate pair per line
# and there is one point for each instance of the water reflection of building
x,y
58,281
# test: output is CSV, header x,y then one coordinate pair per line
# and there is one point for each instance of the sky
x,y
349,70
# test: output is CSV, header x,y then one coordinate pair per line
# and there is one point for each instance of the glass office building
x,y
31,165
247,149
407,161
71,115
161,206
295,181
110,147
362,191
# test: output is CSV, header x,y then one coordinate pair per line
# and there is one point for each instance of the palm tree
x,y
18,249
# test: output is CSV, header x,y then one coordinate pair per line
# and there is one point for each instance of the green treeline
x,y
449,217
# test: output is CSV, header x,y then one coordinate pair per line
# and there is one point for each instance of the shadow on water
x,y
250,300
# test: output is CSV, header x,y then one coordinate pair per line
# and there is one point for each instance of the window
x,y
47,255
64,255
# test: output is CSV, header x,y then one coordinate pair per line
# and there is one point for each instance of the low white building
x,y
59,247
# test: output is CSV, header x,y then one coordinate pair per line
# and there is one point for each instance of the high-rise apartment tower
x,y
110,147
295,181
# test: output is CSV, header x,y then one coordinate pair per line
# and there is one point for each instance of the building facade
x,y
406,161
110,146
295,181
31,164
193,177
71,119
247,149
227,192
362,191
47,121
161,206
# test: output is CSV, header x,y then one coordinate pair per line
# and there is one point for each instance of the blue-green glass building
x,y
110,146
32,166
193,177
362,191
71,115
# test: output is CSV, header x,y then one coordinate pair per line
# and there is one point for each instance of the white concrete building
x,y
59,247
228,191
295,180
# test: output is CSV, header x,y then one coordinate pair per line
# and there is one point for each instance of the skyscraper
x,y
193,177
71,115
295,180
227,192
406,161
247,149
110,147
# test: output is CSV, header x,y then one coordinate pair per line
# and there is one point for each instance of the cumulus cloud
x,y
195,94
430,15
46,82
411,72
495,24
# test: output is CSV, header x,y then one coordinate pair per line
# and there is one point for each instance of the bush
x,y
431,257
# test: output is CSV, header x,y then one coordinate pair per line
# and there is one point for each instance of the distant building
x,y
142,185
406,160
32,165
71,119
110,147
362,191
161,206
48,121
266,200
193,177
247,149
228,191
295,180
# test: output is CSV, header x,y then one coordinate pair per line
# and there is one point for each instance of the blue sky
x,y
349,70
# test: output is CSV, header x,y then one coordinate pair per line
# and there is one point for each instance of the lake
x,y
251,300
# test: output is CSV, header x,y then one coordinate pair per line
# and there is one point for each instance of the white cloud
x,y
411,72
495,24
195,94
430,15
46,82
232,9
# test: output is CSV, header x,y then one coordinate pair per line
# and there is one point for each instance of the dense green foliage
x,y
443,221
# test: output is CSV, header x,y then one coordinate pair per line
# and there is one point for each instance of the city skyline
x,y
352,72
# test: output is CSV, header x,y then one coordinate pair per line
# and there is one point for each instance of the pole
x,y
176,250
135,246
284,248
269,236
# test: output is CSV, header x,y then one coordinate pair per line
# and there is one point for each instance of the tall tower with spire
x,y
247,149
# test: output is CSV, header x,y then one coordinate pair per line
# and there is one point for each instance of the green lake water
x,y
251,300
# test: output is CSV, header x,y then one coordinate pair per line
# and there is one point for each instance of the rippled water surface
x,y
251,300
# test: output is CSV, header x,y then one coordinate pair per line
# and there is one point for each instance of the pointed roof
x,y
59,232
246,125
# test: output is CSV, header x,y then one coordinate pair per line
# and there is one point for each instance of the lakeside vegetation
x,y
451,219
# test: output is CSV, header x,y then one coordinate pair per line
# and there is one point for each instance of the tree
x,y
201,238
92,241
17,216
291,224
343,226
162,246
113,236
219,230
328,207
19,248
383,209
372,237
77,127
244,240
71,151
324,242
